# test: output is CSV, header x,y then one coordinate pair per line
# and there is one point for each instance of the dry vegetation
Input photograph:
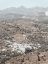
x,y
33,32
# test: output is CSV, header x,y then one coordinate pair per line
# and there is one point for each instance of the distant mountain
x,y
20,12
37,16
23,10
9,16
39,9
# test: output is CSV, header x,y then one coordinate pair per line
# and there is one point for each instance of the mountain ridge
x,y
13,12
23,10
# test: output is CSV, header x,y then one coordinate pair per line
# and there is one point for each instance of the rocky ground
x,y
24,31
30,58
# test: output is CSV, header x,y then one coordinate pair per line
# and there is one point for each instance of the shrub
x,y
27,50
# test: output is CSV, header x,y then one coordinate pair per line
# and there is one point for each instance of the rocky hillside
x,y
23,41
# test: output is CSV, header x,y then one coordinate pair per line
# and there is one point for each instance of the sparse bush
x,y
38,58
27,50
22,60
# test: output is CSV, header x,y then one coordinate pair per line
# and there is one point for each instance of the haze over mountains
x,y
21,11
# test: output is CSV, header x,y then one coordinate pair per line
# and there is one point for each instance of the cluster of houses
x,y
16,49
20,47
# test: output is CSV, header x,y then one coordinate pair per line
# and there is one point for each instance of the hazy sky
x,y
26,3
